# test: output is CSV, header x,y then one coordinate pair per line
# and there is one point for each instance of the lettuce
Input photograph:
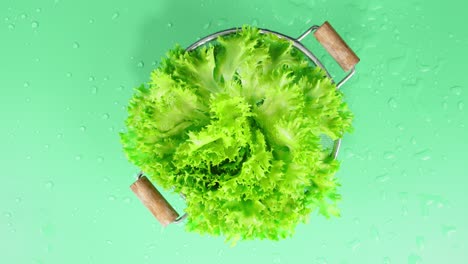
x,y
236,127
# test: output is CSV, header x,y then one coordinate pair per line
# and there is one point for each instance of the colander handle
x,y
154,201
336,46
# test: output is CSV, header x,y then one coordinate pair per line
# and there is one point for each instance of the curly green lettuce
x,y
235,126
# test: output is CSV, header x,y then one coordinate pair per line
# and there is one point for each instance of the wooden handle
x,y
154,201
335,45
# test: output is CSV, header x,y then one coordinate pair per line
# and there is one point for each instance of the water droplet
x,y
207,25
23,16
108,242
420,242
100,159
221,22
91,21
59,135
49,184
140,64
448,230
35,24
127,200
115,15
461,106
38,10
382,178
111,129
94,89
120,88
111,198
414,259
106,78
11,26
423,155
254,22
277,260
69,74
169,24
82,128
456,90
106,179
26,84
76,45
389,155
18,199
7,214
392,103
28,157
46,146
354,244
78,157
386,260
105,116
375,233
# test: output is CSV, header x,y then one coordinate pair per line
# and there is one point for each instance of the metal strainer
x,y
330,40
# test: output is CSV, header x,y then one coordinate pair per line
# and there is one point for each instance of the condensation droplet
x,y
354,244
420,242
111,198
11,26
461,106
69,74
46,146
389,155
456,90
7,214
49,184
94,89
78,157
382,178
82,128
140,64
392,103
423,155
106,179
414,259
76,45
100,159
120,88
26,84
23,16
91,21
386,260
207,25
109,242
18,199
254,22
448,230
169,25
35,24
91,78
59,135
105,116
115,15
127,200
38,10
375,233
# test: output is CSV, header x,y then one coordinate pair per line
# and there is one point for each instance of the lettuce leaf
x,y
236,127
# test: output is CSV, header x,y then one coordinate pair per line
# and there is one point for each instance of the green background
x,y
67,71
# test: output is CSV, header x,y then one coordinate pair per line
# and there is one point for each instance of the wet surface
x,y
68,69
